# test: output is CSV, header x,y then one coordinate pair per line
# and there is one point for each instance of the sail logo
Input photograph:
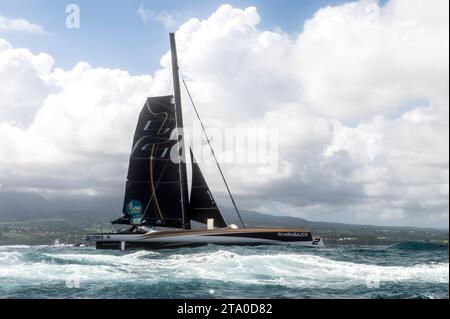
x,y
134,208
136,220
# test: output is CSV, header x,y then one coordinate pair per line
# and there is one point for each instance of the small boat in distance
x,y
157,210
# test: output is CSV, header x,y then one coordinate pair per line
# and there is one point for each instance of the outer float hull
x,y
193,238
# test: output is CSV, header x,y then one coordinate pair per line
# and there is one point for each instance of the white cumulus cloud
x,y
7,24
168,19
359,99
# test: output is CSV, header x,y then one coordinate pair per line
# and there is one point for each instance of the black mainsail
x,y
153,188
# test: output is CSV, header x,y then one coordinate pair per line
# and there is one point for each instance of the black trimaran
x,y
156,195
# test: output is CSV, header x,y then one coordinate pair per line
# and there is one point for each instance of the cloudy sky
x,y
358,92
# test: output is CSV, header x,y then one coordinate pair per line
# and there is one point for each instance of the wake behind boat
x,y
157,208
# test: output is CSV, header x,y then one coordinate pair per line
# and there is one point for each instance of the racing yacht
x,y
158,210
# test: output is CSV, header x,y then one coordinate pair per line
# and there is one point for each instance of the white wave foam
x,y
12,247
101,258
300,270
284,269
10,257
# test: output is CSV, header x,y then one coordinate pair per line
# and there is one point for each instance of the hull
x,y
194,238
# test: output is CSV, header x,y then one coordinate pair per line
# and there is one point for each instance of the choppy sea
x,y
407,270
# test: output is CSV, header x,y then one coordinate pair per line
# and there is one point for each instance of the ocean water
x,y
408,270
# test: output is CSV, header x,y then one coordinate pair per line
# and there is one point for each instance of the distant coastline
x,y
69,228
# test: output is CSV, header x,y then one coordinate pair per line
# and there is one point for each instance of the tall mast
x,y
179,120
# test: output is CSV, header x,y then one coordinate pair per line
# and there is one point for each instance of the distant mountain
x,y
25,217
15,206
263,220
18,206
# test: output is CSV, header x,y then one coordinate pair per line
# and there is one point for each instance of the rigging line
x,y
212,150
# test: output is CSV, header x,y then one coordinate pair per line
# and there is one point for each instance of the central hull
x,y
194,238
